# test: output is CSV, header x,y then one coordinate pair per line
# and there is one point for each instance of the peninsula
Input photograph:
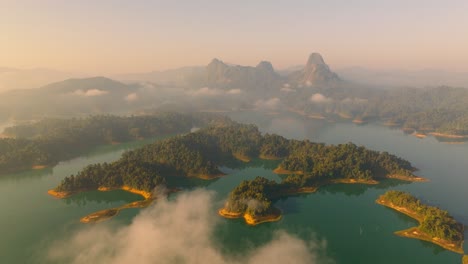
x,y
435,225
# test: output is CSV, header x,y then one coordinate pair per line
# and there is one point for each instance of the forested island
x,y
435,225
201,153
49,141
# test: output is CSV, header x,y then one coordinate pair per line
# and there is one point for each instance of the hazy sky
x,y
113,36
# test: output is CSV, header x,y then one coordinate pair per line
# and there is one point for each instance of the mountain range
x,y
233,85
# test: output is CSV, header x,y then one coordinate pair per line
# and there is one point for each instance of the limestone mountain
x,y
315,73
224,76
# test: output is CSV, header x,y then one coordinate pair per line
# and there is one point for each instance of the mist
x,y
177,231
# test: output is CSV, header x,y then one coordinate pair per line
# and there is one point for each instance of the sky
x,y
116,36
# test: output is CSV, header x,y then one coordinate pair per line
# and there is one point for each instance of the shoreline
x,y
106,214
62,194
416,233
419,135
359,121
353,181
406,178
301,190
209,177
265,157
249,219
444,135
279,170
100,216
39,167
241,157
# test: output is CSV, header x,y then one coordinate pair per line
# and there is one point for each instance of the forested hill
x,y
52,140
200,154
442,109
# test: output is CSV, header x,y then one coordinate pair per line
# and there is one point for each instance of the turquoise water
x,y
344,217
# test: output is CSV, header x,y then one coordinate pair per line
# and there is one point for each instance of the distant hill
x,y
69,98
401,78
13,79
184,76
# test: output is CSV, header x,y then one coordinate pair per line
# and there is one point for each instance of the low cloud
x,y
271,103
234,91
287,88
319,98
90,92
131,97
206,91
177,231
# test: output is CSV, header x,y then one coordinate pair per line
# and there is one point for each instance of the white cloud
x,y
178,231
287,89
234,91
90,92
131,97
271,103
319,98
206,91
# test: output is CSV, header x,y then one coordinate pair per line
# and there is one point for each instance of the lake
x,y
344,217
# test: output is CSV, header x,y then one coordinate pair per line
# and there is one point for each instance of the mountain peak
x,y
216,61
315,58
316,72
265,65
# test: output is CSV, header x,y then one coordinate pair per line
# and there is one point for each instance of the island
x,y
252,200
46,142
200,154
435,225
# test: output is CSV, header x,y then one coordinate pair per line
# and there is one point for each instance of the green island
x,y
49,141
201,153
435,225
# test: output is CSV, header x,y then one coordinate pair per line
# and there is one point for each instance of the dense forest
x,y
316,163
433,221
253,197
199,154
52,140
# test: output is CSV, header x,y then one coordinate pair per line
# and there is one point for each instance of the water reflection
x,y
451,140
82,199
359,189
27,175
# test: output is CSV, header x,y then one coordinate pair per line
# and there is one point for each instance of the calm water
x,y
345,217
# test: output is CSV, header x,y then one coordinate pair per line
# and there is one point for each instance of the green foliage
x,y
200,153
442,109
435,222
52,140
253,197
320,162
